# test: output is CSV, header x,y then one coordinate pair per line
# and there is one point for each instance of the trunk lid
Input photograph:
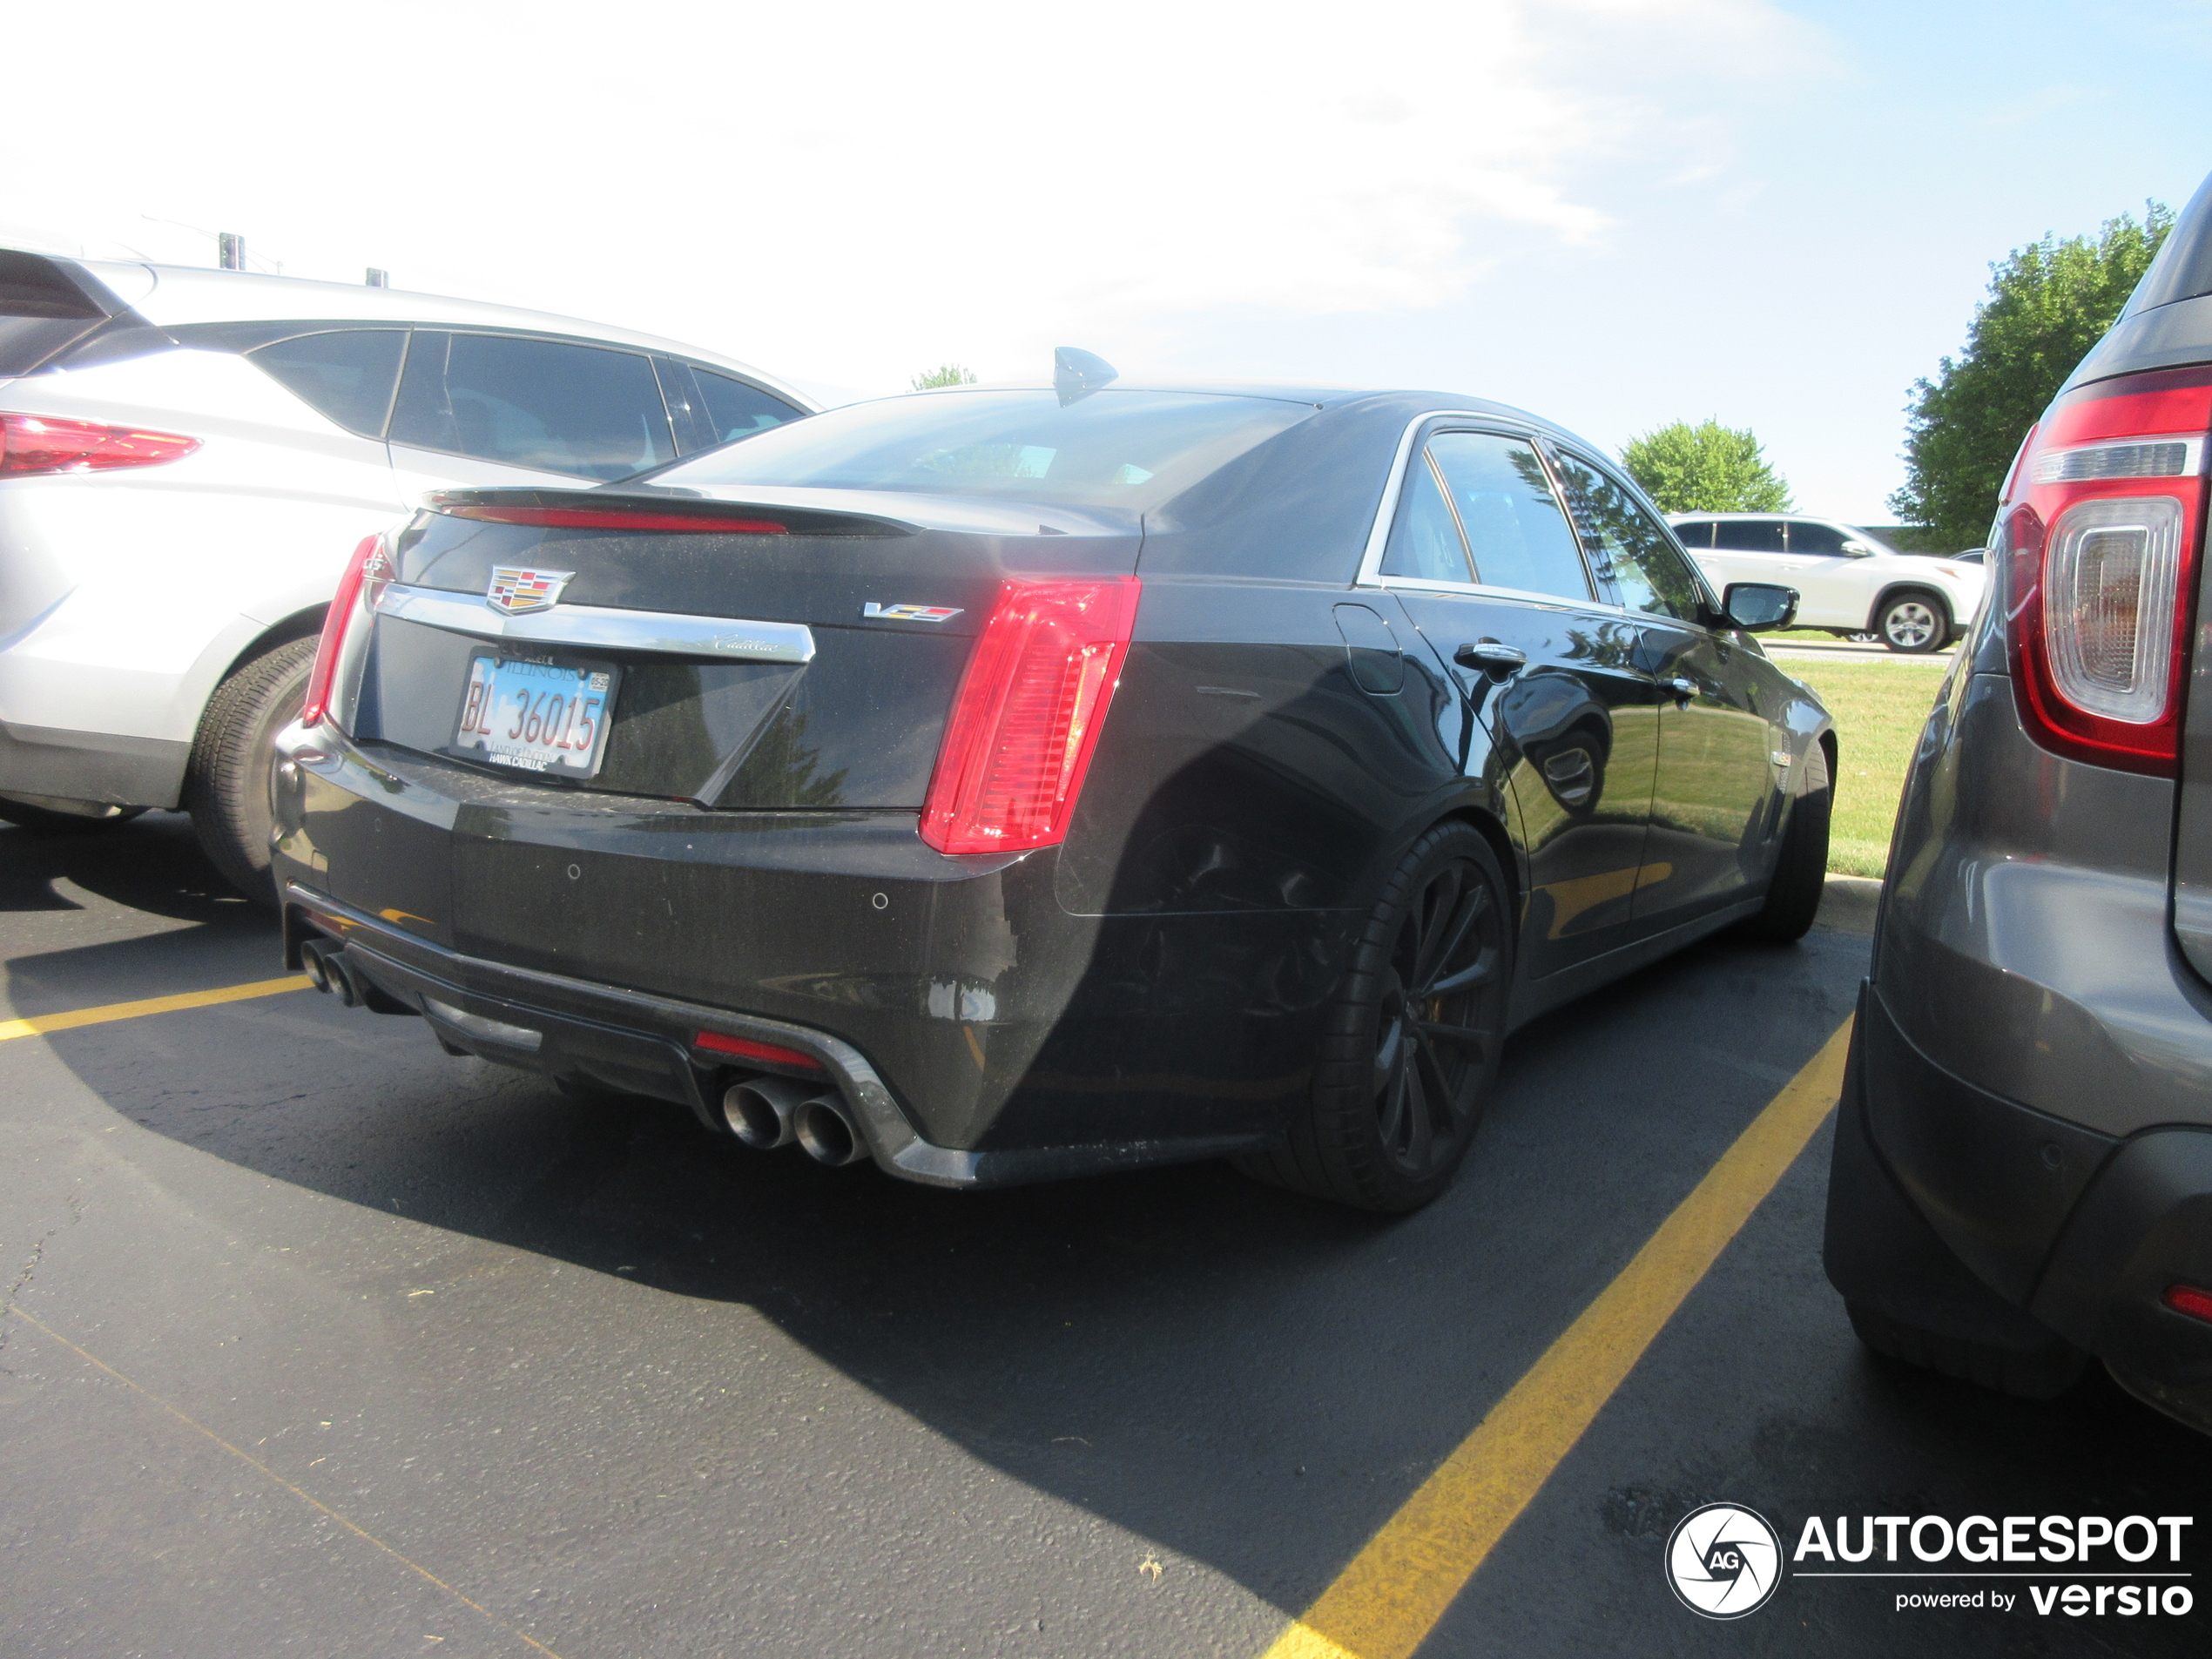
x,y
868,602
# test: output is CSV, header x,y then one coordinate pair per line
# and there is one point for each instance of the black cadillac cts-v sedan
x,y
1009,783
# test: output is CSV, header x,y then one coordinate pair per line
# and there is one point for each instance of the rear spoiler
x,y
47,305
661,511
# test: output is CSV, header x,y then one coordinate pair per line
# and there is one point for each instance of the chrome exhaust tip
x,y
324,964
828,1133
759,1110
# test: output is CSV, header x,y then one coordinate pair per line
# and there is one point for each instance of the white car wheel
x,y
1914,623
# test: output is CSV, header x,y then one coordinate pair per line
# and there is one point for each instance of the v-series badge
x,y
874,612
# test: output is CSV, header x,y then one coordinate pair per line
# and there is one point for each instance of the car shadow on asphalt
x,y
141,890
1253,1378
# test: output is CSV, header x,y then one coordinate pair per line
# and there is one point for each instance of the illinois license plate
x,y
544,717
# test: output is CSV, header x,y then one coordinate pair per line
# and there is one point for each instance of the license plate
x,y
544,717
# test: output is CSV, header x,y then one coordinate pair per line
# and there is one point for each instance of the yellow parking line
x,y
33,1027
1386,1602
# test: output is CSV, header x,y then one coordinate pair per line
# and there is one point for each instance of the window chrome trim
x,y
662,633
1370,574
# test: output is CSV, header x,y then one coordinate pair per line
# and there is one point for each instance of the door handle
x,y
1498,660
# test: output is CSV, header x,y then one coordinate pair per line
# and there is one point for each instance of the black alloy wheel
x,y
1413,1035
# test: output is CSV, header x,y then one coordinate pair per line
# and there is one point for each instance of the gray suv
x,y
2023,1167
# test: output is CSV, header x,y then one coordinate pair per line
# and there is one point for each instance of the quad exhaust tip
x,y
828,1133
759,1110
325,966
766,1113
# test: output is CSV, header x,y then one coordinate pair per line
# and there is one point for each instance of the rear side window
x,y
1748,535
1425,543
1626,544
347,375
1821,541
1516,530
1698,533
735,410
586,410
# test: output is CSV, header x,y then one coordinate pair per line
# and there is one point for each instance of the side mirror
x,y
1757,607
1857,550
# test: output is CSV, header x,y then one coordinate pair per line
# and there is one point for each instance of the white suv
x,y
186,459
1847,582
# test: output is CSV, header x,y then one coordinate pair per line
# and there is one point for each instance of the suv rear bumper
x,y
1955,1211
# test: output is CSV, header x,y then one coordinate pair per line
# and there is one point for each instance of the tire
x,y
1395,1101
22,815
1801,868
1913,621
227,783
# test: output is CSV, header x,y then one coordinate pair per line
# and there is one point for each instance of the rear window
x,y
1129,449
347,375
1698,532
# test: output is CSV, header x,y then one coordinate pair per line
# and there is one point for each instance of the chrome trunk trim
x,y
598,627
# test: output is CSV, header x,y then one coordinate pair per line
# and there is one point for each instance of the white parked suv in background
x,y
188,456
1847,582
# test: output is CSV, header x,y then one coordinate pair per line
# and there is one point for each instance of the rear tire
x,y
1411,1036
1913,621
226,784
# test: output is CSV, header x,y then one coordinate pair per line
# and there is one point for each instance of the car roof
x,y
184,295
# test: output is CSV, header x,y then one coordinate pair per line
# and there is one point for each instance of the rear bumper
x,y
102,767
573,1030
1983,1218
984,1033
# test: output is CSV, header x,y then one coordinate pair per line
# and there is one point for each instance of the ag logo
x,y
1723,1560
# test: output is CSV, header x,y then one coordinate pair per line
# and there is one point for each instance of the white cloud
x,y
848,193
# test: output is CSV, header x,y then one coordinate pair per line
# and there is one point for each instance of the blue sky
x,y
1616,212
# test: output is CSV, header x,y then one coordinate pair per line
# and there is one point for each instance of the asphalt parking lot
x,y
321,1342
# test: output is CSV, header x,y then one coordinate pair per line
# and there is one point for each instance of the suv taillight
x,y
1028,714
358,590
2102,528
36,445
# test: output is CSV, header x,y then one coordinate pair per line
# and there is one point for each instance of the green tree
x,y
1708,467
943,375
2048,303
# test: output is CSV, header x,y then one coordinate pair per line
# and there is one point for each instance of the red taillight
x,y
36,444
1028,713
2102,528
593,518
364,568
2187,1298
746,1048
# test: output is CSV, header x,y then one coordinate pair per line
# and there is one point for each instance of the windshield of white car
x,y
1131,449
